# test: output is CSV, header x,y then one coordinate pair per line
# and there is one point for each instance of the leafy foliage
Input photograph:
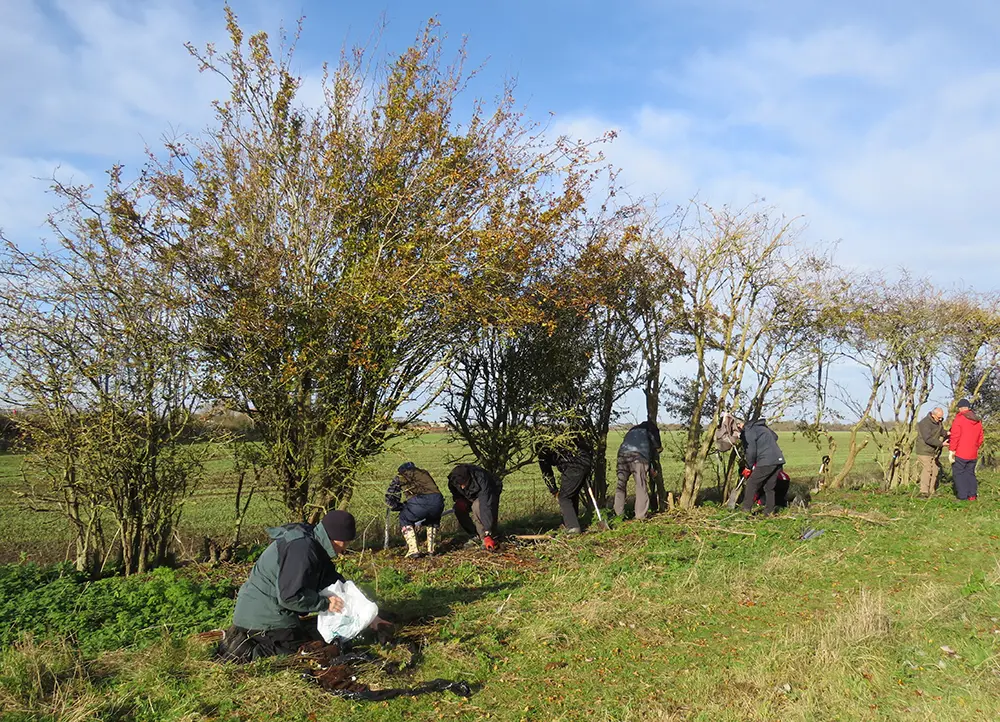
x,y
340,251
57,602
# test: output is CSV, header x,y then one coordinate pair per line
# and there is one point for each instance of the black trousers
x,y
766,478
571,484
963,471
243,645
781,491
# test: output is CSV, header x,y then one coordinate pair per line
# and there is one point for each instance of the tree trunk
x,y
853,449
652,392
693,468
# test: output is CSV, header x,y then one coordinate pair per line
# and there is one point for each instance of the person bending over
x,y
476,493
424,505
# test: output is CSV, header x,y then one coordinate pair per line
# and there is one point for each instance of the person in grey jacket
x,y
637,455
931,437
284,585
764,460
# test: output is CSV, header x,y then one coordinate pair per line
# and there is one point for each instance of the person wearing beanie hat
x,y
966,438
424,505
284,585
339,527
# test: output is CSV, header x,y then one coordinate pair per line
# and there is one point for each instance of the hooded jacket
x,y
287,578
930,437
966,435
760,445
479,484
577,453
642,439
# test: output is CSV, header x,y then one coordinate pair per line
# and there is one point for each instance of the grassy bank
x,y
890,614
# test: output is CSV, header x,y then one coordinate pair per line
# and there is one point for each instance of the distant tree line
x,y
325,274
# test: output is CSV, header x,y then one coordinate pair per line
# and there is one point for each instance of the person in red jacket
x,y
966,438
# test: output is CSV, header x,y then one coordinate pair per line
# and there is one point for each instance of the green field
x,y
525,504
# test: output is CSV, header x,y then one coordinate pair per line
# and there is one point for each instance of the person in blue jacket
x,y
637,457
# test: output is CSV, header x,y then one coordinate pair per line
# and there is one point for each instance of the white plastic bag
x,y
357,614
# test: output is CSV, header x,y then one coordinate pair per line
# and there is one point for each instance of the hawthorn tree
x,y
911,327
97,343
971,351
339,253
741,270
606,289
513,391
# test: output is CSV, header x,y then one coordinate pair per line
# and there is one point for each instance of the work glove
x,y
463,506
488,543
951,457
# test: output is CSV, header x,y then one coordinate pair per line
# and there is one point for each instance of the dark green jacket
x,y
930,437
287,578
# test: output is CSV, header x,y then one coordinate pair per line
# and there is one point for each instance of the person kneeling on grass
x,y
424,505
284,585
477,502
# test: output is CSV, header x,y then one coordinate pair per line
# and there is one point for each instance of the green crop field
x,y
525,503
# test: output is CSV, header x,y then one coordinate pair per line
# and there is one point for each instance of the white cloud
x,y
24,202
99,78
96,82
892,145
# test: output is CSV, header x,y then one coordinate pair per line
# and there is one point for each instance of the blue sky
x,y
877,122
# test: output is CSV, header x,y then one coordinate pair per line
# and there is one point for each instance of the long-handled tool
x,y
896,453
601,524
734,495
385,539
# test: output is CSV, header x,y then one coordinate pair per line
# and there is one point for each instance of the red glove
x,y
746,473
462,505
488,543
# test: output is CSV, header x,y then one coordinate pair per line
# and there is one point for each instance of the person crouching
x,y
477,502
424,505
284,585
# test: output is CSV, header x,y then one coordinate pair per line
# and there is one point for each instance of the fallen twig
x,y
848,514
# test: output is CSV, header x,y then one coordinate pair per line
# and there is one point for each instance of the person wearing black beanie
x,y
340,527
285,585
